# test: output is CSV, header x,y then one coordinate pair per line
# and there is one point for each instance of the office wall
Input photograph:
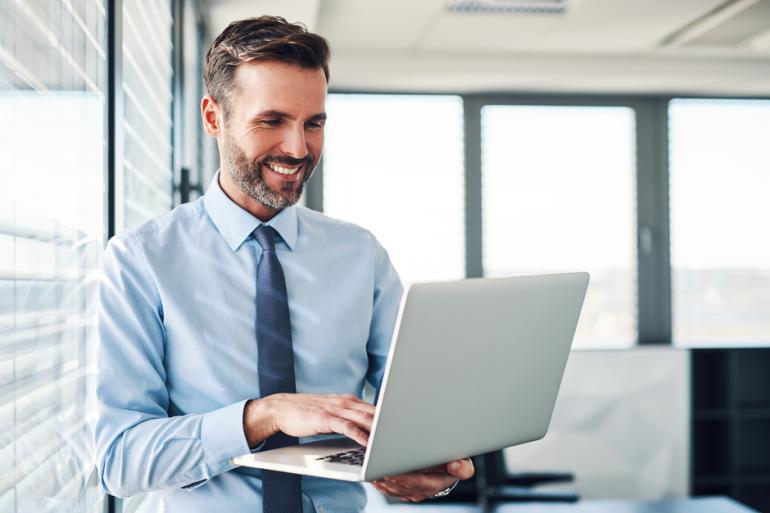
x,y
621,424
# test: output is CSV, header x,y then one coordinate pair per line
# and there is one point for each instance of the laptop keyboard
x,y
354,457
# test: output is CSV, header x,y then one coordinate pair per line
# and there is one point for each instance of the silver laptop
x,y
475,366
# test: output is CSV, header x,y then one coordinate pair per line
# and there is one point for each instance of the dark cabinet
x,y
731,424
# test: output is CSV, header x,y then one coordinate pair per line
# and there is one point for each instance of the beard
x,y
247,175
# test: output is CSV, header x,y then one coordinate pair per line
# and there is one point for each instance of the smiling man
x,y
242,322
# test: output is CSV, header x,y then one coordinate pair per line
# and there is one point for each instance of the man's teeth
x,y
283,170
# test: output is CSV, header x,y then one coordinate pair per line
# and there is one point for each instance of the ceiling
x,y
583,46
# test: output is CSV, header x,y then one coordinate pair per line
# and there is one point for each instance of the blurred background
x,y
473,138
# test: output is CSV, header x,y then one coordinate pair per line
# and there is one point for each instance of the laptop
x,y
474,366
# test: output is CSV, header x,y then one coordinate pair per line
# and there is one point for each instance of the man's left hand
x,y
424,484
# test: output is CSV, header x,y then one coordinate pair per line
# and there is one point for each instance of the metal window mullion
x,y
474,266
177,103
653,231
114,117
200,136
114,140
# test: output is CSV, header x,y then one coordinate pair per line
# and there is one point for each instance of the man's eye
x,y
314,124
272,122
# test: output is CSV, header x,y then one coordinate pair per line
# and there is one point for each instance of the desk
x,y
694,505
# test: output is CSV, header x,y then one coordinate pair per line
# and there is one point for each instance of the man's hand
x,y
307,415
424,484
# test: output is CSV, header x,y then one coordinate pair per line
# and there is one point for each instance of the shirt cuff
x,y
222,436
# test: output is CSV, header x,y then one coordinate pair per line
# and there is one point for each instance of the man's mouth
x,y
284,170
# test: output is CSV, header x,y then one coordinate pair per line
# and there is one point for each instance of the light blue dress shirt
x,y
177,357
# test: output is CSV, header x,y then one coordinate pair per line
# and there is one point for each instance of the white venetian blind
x,y
147,117
52,79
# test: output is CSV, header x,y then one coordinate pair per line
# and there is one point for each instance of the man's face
x,y
273,133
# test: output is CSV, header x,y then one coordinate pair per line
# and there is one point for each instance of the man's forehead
x,y
279,87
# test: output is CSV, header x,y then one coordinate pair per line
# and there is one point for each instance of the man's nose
x,y
294,143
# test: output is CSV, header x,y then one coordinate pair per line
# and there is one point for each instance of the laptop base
x,y
304,459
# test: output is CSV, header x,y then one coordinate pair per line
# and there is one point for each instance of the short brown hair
x,y
267,38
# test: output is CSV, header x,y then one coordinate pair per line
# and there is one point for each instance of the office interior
x,y
474,138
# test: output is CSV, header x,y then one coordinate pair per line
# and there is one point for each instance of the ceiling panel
x,y
376,25
587,26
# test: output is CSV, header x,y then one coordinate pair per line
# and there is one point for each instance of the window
x,y
147,90
558,194
394,165
52,100
720,220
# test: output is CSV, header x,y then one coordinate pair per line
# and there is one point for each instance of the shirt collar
x,y
236,224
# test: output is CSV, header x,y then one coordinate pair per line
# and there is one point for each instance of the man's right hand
x,y
307,415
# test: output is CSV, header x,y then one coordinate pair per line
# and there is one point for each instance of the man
x,y
241,322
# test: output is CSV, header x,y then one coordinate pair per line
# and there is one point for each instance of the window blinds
x,y
147,117
52,225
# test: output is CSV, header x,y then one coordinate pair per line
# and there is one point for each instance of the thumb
x,y
461,469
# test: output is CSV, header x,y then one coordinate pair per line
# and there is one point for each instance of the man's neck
x,y
243,200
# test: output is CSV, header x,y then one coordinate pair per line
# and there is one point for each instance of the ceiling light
x,y
707,22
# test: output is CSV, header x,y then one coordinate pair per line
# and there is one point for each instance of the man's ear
x,y
212,116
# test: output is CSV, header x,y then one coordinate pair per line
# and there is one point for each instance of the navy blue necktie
x,y
281,492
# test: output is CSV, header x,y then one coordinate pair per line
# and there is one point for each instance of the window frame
x,y
653,290
668,99
653,273
649,300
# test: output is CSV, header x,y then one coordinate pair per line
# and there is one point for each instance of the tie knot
x,y
265,237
